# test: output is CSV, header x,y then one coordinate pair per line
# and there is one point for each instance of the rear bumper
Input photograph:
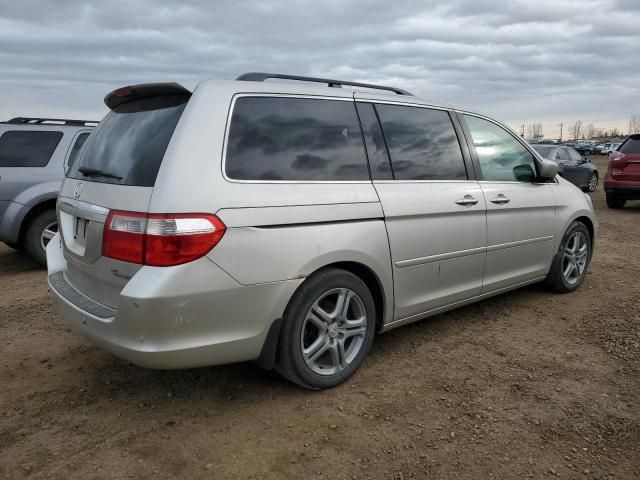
x,y
621,189
188,316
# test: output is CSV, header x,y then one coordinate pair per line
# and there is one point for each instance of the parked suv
x,y
34,153
288,223
622,180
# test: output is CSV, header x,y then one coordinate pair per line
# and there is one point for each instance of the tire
x,y
592,183
558,280
334,345
35,241
615,202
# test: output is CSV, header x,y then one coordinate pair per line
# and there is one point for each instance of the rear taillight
x,y
160,239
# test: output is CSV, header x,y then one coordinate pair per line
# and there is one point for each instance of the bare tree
x,y
614,132
634,124
589,131
575,130
534,132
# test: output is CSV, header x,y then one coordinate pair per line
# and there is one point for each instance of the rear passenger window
x,y
422,143
374,140
279,138
27,148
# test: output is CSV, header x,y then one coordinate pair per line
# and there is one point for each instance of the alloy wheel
x,y
575,256
48,233
333,331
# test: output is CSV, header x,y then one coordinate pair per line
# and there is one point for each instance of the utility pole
x,y
522,131
561,124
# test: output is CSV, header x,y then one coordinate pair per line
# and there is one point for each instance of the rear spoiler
x,y
134,92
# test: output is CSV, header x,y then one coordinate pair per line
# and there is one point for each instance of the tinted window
x,y
129,144
545,150
501,156
631,145
575,156
563,154
422,143
295,139
76,148
374,140
27,148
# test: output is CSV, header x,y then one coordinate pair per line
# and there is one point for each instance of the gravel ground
x,y
525,385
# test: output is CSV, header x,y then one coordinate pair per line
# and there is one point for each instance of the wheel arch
x,y
371,280
46,204
590,226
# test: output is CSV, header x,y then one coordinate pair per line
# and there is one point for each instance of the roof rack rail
x,y
261,77
51,121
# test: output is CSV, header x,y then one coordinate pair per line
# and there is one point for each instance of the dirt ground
x,y
525,385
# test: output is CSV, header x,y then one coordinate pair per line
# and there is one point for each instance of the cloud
x,y
520,61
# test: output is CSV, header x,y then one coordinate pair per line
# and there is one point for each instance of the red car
x,y
622,181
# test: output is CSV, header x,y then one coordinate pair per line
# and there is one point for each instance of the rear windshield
x,y
128,146
631,145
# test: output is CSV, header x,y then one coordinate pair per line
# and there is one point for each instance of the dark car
x,y
574,167
622,180
584,149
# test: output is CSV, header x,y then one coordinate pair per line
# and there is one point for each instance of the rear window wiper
x,y
94,172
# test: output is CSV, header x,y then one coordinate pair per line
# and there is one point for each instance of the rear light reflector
x,y
160,239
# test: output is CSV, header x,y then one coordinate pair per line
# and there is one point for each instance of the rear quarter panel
x,y
275,230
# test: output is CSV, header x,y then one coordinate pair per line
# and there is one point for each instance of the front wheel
x,y
327,331
570,264
592,183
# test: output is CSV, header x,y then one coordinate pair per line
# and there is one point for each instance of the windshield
x,y
128,146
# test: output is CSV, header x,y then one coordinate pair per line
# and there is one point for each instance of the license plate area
x,y
80,231
81,226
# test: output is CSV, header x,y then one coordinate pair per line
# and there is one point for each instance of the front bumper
x,y
187,316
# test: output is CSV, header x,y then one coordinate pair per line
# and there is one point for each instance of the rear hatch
x,y
625,161
116,169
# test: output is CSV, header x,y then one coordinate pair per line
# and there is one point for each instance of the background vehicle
x,y
574,167
622,180
609,147
34,153
584,148
287,223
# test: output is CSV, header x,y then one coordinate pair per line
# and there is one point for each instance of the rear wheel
x,y
615,202
592,183
570,264
39,232
327,331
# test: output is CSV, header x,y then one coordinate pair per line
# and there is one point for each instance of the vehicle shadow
x,y
16,261
246,382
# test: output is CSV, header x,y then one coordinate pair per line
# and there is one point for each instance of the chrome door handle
x,y
467,200
500,199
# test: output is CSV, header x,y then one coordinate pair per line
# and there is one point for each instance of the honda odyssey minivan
x,y
288,223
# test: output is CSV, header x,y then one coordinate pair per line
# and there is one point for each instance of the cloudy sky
x,y
546,61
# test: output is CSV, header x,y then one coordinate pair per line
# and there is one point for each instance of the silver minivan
x,y
287,223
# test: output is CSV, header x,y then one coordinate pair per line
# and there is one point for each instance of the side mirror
x,y
549,169
524,173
